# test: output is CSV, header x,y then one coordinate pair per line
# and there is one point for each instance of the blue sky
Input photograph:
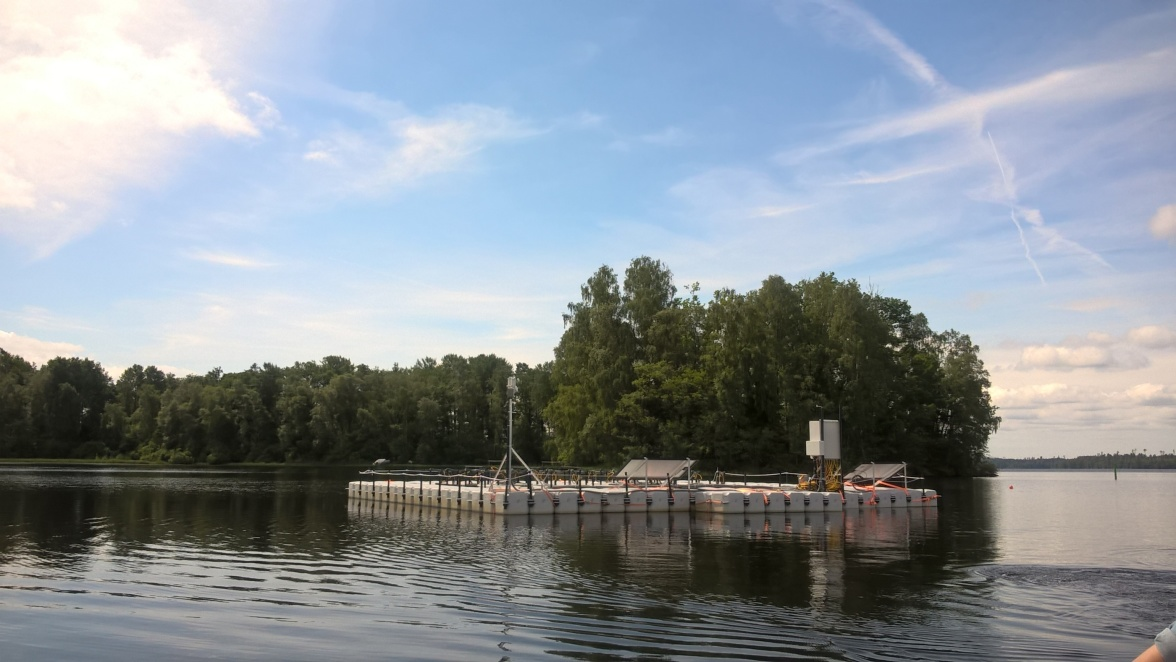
x,y
222,183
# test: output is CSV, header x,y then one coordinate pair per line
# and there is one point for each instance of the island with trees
x,y
641,370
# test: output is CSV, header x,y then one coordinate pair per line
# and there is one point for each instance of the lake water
x,y
102,563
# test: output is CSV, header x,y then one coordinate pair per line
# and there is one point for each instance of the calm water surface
x,y
132,564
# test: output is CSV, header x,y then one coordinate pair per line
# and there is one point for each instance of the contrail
x,y
1013,208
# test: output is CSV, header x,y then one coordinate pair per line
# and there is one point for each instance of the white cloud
x,y
95,97
1035,395
1102,83
776,211
1084,394
1006,179
1099,338
15,192
1150,395
1152,336
1056,400
414,147
894,176
847,22
320,151
1065,358
1055,242
1099,83
952,130
736,193
794,228
229,259
265,113
1054,357
1163,223
34,350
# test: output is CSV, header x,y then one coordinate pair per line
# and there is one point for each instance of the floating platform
x,y
884,527
484,495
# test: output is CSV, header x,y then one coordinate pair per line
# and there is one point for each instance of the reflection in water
x,y
787,560
264,564
736,586
119,511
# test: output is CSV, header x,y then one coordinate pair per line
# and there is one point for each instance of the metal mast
x,y
511,389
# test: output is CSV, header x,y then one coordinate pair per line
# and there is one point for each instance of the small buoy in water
x,y
1010,487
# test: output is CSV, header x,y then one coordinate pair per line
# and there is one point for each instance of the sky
x,y
216,184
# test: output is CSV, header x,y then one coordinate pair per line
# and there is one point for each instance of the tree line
x,y
1132,460
640,371
316,411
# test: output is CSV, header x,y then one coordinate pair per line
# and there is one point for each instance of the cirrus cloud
x,y
410,148
1098,83
229,259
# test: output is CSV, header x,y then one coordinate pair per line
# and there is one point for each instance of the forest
x,y
1107,461
641,370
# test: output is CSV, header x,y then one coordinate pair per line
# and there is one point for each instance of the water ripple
x,y
245,568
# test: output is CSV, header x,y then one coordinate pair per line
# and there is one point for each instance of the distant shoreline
x,y
1099,470
1103,462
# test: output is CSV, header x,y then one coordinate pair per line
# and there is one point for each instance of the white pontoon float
x,y
653,486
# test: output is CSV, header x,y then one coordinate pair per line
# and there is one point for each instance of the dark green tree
x,y
68,398
593,370
16,429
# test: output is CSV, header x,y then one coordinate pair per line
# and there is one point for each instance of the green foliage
x,y
665,414
67,397
640,370
16,436
329,411
593,369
